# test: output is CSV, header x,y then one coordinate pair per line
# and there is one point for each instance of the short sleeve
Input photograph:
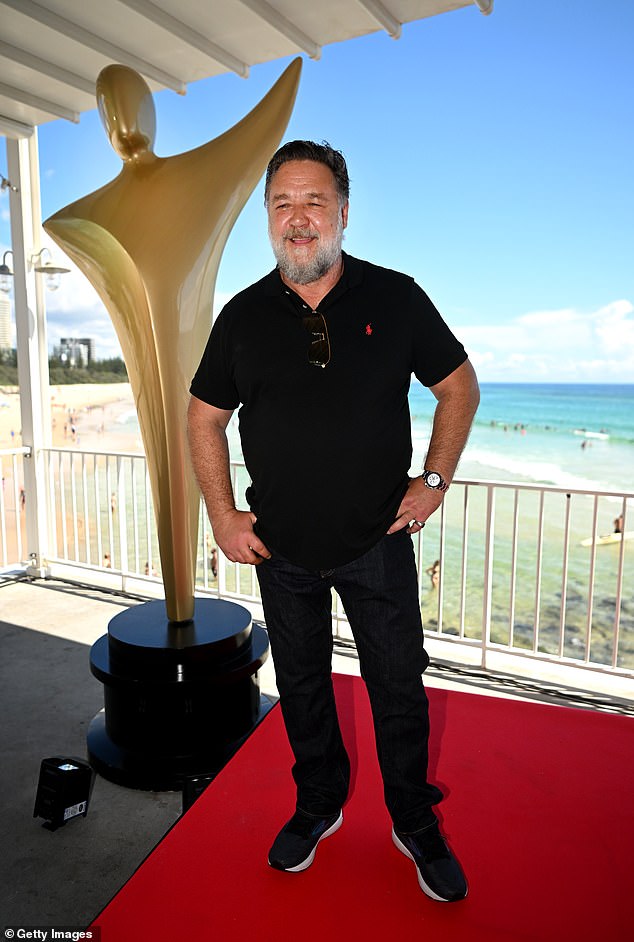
x,y
213,381
437,351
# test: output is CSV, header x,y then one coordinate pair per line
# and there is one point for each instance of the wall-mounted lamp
x,y
50,271
7,185
5,274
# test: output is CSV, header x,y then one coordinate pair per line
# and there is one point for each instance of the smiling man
x,y
319,356
306,223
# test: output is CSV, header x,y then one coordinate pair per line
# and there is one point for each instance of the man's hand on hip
x,y
418,504
234,535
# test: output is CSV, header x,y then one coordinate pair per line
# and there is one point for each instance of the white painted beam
x,y
191,36
73,31
44,67
15,129
32,352
284,26
42,104
379,12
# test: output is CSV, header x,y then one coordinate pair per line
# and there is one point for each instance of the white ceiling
x,y
51,51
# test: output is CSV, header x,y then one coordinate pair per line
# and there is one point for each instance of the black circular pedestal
x,y
178,698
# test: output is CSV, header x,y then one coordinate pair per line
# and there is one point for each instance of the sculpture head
x,y
127,111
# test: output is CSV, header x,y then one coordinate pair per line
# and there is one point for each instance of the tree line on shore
x,y
61,373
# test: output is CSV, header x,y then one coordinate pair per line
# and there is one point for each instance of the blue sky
x,y
490,157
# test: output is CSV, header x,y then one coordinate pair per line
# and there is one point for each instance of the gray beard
x,y
304,273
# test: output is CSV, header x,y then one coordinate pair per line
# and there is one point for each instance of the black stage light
x,y
63,790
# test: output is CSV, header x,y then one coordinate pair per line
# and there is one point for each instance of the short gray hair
x,y
309,150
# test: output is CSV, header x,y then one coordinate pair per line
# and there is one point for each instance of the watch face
x,y
433,479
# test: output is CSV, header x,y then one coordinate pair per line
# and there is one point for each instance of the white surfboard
x,y
609,538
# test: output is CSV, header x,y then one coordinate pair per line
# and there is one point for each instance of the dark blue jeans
x,y
379,592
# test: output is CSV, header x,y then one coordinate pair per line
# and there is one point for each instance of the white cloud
x,y
557,345
564,317
614,327
76,310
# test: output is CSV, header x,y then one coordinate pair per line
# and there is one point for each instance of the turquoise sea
x,y
570,436
578,436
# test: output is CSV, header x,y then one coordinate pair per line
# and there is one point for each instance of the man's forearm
x,y
209,449
457,405
209,452
458,397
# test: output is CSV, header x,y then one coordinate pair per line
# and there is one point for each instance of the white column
x,y
32,350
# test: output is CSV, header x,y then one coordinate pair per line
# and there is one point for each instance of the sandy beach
x,y
90,416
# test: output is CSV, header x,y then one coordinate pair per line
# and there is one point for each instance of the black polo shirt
x,y
328,449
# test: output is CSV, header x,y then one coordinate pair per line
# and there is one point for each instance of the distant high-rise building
x,y
5,324
76,350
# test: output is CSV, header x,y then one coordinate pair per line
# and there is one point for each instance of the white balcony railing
x,y
504,568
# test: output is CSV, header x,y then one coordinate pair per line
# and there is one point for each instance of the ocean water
x,y
571,436
578,436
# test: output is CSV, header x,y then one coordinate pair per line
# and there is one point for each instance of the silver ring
x,y
420,523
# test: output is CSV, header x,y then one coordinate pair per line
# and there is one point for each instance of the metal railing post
x,y
488,574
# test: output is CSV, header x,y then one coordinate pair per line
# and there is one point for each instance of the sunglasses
x,y
319,349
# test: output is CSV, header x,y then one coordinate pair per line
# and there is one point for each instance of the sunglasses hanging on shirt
x,y
319,349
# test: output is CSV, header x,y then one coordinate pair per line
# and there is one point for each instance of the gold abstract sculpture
x,y
150,242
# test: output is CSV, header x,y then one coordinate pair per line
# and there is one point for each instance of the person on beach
x,y
319,356
433,572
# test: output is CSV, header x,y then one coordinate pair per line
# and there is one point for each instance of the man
x,y
319,354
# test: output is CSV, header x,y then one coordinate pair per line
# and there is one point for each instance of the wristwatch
x,y
434,480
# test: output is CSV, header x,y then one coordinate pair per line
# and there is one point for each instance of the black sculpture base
x,y
178,699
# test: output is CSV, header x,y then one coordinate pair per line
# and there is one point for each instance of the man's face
x,y
306,220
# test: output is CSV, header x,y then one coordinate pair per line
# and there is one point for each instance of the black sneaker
x,y
439,873
295,846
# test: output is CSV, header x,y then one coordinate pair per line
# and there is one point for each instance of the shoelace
x,y
431,847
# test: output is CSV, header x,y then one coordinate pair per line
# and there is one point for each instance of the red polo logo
x,y
368,329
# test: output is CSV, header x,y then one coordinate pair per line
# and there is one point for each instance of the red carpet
x,y
538,808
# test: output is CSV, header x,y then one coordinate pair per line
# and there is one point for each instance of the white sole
x,y
305,864
424,887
